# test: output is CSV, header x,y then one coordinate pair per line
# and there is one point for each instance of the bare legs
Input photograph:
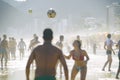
x,y
109,60
118,71
4,55
83,72
74,73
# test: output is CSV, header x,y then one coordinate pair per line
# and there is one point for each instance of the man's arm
x,y
30,60
63,62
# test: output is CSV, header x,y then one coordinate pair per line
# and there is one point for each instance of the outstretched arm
x,y
67,57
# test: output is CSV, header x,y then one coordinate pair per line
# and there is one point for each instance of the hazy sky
x,y
76,8
94,8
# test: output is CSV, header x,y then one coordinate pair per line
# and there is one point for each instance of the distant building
x,y
114,16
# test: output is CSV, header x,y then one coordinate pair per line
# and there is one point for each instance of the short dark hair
x,y
48,34
109,35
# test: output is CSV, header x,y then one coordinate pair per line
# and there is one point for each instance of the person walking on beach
x,y
4,50
21,47
118,71
108,47
80,63
13,48
46,57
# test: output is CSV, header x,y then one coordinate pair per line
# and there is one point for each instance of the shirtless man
x,y
46,57
108,47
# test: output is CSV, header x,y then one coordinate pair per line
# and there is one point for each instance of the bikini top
x,y
77,56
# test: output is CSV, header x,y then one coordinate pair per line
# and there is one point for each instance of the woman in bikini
x,y
80,57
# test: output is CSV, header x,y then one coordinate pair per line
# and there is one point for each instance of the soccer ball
x,y
51,13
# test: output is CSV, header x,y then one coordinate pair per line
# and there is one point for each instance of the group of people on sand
x,y
47,56
8,48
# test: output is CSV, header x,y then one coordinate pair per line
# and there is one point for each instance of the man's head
x,y
109,35
48,34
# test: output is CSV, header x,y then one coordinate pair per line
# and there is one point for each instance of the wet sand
x,y
16,68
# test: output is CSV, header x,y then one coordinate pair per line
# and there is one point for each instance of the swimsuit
x,y
78,56
45,78
109,52
78,68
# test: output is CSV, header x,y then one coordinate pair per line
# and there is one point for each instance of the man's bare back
x,y
46,57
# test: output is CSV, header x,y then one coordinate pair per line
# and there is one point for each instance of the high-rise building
x,y
114,16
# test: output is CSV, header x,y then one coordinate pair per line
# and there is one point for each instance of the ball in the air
x,y
51,13
30,11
